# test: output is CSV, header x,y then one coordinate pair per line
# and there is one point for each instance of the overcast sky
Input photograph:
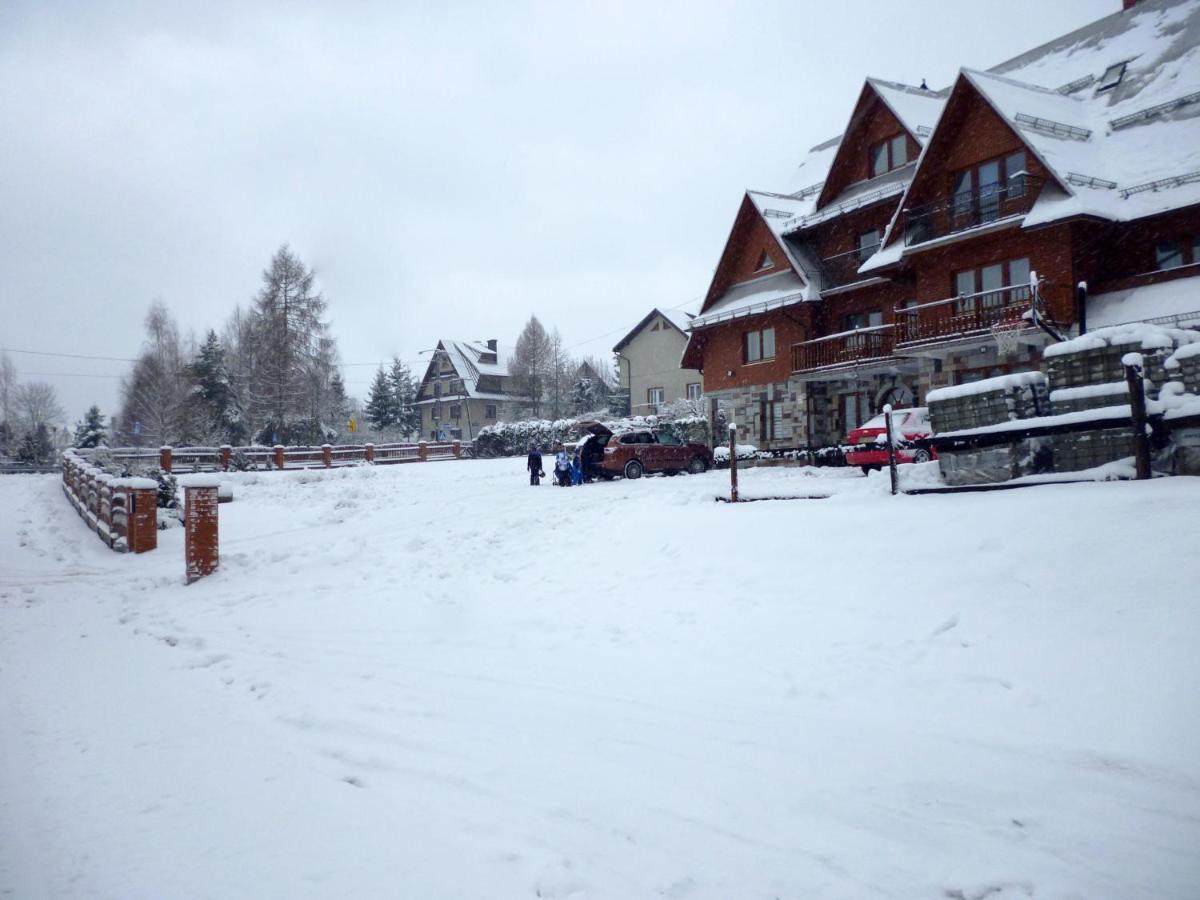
x,y
447,168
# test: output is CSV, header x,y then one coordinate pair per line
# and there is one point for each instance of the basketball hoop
x,y
1006,334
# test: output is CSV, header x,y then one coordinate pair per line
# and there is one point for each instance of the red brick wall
x,y
871,122
723,348
840,235
1048,250
748,241
970,133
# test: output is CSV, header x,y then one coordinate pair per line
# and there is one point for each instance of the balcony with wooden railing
x,y
970,315
970,209
852,349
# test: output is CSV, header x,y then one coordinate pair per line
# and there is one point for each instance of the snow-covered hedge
x,y
515,438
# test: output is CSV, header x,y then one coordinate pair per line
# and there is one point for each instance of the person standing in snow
x,y
576,468
562,467
534,465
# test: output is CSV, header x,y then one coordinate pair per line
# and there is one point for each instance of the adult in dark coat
x,y
534,465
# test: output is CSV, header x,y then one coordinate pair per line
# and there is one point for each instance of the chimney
x,y
1128,4
492,344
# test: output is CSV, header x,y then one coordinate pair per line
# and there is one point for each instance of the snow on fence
x,y
122,511
327,456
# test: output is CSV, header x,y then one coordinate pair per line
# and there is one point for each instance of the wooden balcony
x,y
973,315
960,212
845,350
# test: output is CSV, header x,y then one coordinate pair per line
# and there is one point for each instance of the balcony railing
x,y
846,349
973,314
968,209
842,268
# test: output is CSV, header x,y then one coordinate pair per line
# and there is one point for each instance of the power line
x,y
67,355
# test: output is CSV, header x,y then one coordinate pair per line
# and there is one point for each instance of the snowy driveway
x,y
433,681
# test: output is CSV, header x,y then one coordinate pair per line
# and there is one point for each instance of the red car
x,y
636,452
869,440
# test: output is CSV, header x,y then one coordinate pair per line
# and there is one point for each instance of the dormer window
x,y
1112,77
888,155
764,262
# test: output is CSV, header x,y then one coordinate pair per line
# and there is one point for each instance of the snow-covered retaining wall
x,y
122,511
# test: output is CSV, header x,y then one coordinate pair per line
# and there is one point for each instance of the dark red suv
x,y
633,453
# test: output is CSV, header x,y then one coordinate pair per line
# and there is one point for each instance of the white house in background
x,y
465,387
648,361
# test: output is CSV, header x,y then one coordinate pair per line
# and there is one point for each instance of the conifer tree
x,y
91,431
380,408
406,414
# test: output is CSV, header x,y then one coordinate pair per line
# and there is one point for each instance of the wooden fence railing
x,y
327,456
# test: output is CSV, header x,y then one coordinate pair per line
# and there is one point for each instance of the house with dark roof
x,y
949,235
465,386
648,362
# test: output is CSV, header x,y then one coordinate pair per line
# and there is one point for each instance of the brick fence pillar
x,y
164,458
201,544
458,449
327,455
226,457
422,451
141,511
279,456
370,453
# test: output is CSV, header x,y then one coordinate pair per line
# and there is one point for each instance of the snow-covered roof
x,y
1179,299
917,108
806,179
471,361
754,297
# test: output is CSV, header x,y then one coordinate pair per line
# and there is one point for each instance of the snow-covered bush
x,y
240,462
515,438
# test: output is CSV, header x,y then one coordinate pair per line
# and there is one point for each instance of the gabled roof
x,y
1119,154
915,109
678,319
471,361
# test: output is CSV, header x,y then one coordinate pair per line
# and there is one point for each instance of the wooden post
x,y
887,418
279,456
369,451
733,488
458,449
327,455
164,459
1137,409
226,457
422,451
201,539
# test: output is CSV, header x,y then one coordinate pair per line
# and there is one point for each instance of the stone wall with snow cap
x,y
1021,395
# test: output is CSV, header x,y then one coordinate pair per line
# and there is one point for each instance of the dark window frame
x,y
887,145
1000,297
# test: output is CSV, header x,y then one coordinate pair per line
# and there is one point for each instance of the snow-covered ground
x,y
434,681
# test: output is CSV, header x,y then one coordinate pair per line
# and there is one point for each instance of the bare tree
x,y
36,404
154,395
559,375
529,365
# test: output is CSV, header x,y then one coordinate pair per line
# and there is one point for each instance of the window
x,y
979,192
760,345
868,243
864,320
657,325
1112,77
668,440
489,411
994,286
770,421
764,262
655,397
1168,255
888,155
437,389
455,410
694,390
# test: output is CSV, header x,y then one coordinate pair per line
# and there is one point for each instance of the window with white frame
x,y
694,390
655,397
